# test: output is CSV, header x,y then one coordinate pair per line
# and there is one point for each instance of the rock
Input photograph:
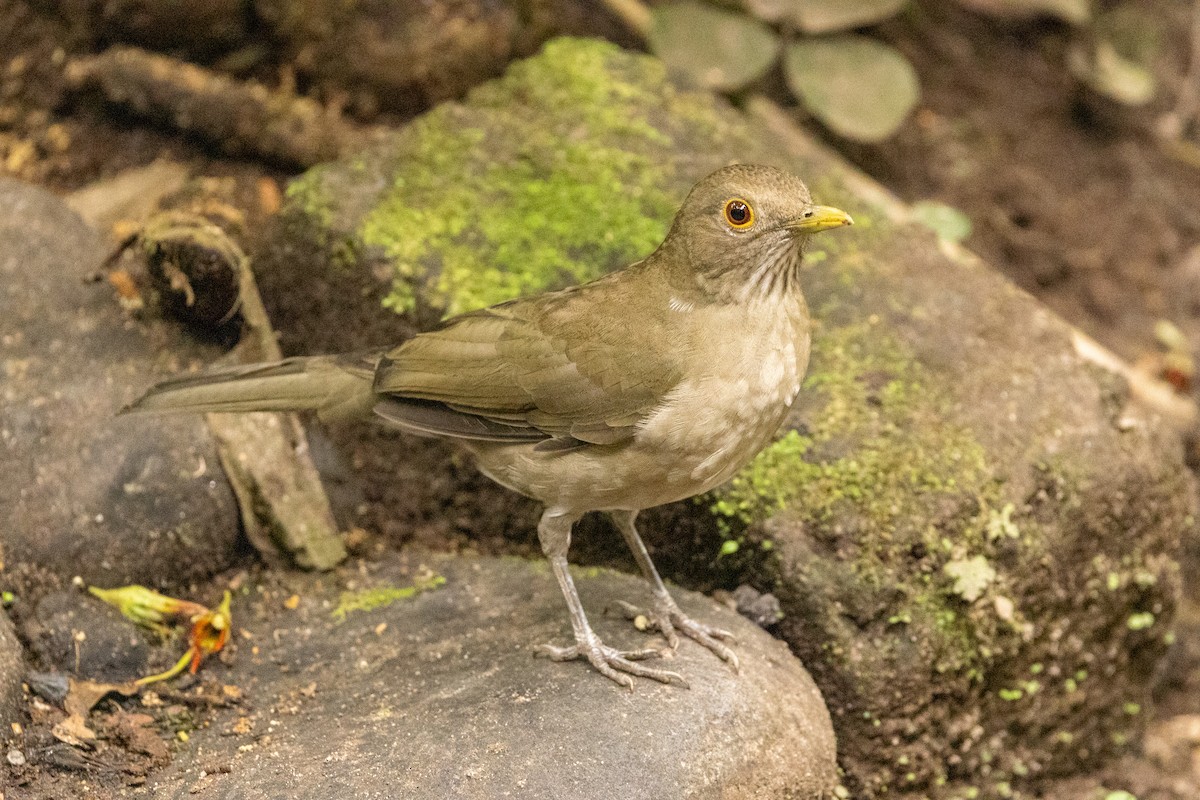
x,y
971,530
407,55
112,499
12,669
78,635
441,696
981,531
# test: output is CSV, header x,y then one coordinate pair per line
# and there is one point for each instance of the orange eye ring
x,y
739,214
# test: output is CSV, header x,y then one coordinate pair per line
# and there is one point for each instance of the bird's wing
x,y
567,369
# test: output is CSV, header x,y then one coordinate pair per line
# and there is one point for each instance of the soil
x,y
1074,199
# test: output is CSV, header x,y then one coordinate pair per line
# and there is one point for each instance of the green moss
x,y
382,596
877,455
309,196
551,175
867,447
1140,621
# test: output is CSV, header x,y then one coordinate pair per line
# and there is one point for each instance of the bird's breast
x,y
731,404
742,369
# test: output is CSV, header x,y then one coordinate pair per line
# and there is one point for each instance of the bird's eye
x,y
739,214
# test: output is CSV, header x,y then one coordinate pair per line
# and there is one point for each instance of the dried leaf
x,y
858,87
74,731
84,694
714,49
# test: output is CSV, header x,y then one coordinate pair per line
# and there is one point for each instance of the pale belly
x,y
706,430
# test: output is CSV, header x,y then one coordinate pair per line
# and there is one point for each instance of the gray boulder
x,y
971,529
75,634
114,500
440,695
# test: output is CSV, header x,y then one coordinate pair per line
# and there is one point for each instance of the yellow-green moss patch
x,y
382,596
552,175
868,447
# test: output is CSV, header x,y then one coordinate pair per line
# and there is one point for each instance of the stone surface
x,y
112,499
970,530
76,634
440,695
406,55
12,671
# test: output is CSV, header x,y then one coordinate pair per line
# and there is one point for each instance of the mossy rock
x,y
971,531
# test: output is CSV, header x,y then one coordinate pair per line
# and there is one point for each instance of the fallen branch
x,y
239,117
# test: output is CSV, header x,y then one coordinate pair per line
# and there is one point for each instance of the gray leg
x,y
554,532
667,616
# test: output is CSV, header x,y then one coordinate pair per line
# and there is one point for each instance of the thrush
x,y
649,385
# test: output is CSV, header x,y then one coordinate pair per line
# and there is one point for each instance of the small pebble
x,y
16,758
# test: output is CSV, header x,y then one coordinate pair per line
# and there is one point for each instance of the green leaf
x,y
1125,43
711,48
1111,74
948,223
829,16
769,10
858,87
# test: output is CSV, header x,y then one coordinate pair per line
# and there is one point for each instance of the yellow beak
x,y
821,218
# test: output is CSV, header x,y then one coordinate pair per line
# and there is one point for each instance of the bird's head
x,y
743,229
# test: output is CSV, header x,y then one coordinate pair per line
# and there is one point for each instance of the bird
x,y
652,384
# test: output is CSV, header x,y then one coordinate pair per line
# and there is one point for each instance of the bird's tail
x,y
336,387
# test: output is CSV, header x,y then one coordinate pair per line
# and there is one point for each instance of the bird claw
x,y
669,620
616,665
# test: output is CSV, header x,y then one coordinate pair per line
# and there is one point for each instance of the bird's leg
x,y
554,533
666,615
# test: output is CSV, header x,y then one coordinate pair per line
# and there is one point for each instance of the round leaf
x,y
1109,73
1125,43
858,87
946,221
1075,12
769,10
712,48
828,16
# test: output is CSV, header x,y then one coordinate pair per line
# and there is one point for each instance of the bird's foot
x,y
617,665
670,621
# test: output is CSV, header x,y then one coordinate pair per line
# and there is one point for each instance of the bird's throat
x,y
775,275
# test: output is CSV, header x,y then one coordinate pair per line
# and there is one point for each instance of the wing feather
x,y
563,368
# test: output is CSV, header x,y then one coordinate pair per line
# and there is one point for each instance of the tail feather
x,y
336,387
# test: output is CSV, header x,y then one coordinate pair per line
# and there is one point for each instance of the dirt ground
x,y
1074,199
